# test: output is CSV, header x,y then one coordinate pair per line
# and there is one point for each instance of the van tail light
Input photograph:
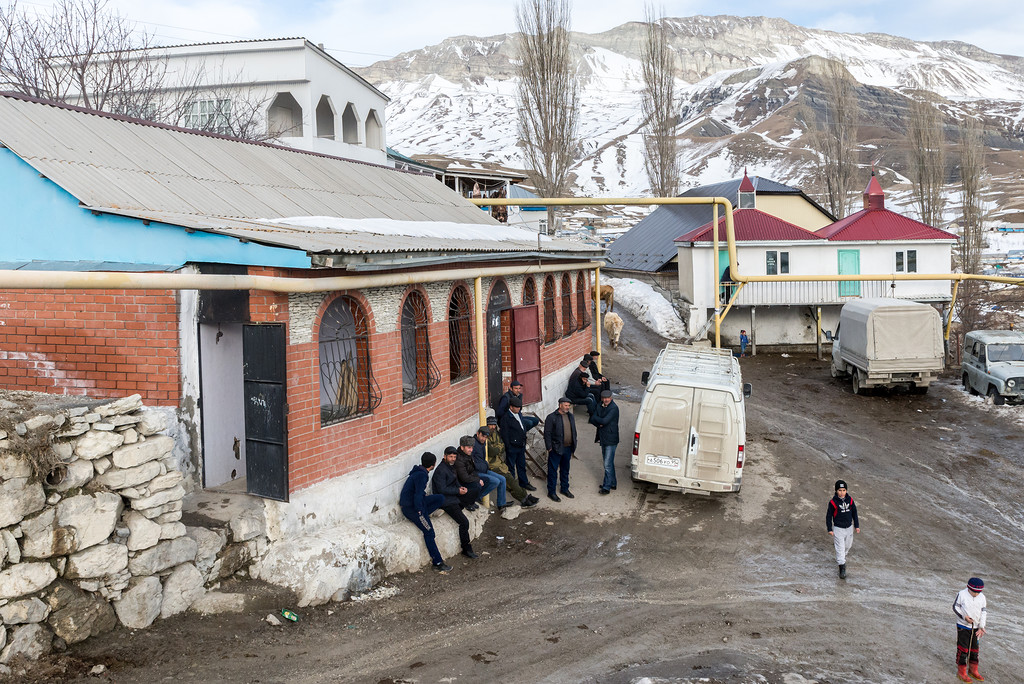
x,y
739,457
636,443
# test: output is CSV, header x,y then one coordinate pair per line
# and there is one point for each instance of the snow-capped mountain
x,y
744,84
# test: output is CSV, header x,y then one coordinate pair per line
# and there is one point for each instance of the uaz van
x,y
691,428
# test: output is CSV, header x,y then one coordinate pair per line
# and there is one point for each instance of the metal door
x,y
499,301
526,351
714,438
266,454
849,264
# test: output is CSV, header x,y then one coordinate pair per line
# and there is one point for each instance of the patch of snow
x,y
649,307
446,230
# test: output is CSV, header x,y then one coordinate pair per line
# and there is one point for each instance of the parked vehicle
x,y
888,343
691,428
993,364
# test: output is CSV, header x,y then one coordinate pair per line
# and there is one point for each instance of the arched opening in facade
x,y
325,118
284,117
347,386
350,125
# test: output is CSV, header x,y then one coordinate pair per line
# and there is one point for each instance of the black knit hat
x,y
976,584
491,420
450,450
841,483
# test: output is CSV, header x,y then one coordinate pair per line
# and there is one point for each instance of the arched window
x,y
568,322
529,292
374,131
325,118
284,117
350,125
461,352
551,331
347,386
583,312
419,374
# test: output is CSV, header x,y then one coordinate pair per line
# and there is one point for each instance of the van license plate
x,y
663,461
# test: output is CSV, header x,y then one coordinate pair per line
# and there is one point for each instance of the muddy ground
x,y
640,584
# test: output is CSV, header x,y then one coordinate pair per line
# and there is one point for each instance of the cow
x,y
607,296
613,328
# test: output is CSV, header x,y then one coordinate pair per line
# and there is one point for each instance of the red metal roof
x,y
746,185
751,225
881,224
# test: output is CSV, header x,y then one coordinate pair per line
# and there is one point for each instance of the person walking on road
x,y
841,522
560,441
970,609
417,506
606,418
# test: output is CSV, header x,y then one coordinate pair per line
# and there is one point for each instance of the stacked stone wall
x,y
90,523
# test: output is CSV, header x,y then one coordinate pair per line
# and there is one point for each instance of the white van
x,y
691,428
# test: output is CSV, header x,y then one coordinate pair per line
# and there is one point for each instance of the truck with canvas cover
x,y
888,343
691,427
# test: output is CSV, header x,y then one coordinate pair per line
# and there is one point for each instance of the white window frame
x,y
210,115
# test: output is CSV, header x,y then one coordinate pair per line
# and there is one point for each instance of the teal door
x,y
723,263
849,264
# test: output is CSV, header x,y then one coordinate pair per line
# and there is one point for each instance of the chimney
x,y
874,198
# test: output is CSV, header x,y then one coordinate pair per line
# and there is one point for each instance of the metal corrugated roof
x,y
752,225
881,224
117,165
650,244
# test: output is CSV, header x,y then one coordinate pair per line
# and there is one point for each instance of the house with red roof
x,y
872,241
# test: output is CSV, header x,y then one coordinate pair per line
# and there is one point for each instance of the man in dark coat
x,y
595,374
513,427
465,470
514,390
606,418
560,440
417,506
495,454
492,480
446,483
579,390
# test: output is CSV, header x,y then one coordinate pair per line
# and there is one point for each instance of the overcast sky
x,y
360,32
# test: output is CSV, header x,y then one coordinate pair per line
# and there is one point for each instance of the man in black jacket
x,y
492,480
560,440
417,506
606,418
596,374
446,483
841,522
579,390
514,426
514,390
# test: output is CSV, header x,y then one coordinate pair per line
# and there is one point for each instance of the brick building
x,y
310,321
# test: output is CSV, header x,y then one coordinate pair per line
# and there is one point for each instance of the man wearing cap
x,y
465,467
514,390
841,522
606,418
514,426
595,373
560,441
495,450
492,480
970,609
579,390
417,506
456,497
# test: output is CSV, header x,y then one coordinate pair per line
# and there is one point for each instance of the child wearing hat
x,y
841,522
969,607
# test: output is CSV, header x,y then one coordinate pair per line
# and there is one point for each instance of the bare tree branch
x,y
547,95
659,106
927,160
971,152
834,138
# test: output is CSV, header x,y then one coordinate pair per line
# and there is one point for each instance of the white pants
x,y
843,539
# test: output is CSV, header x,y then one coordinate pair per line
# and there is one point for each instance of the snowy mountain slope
x,y
744,86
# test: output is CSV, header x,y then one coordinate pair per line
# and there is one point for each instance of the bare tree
x,y
85,55
971,153
548,90
659,107
927,160
834,137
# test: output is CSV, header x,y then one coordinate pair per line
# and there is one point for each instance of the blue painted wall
x,y
40,221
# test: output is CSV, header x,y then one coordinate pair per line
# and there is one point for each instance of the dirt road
x,y
640,583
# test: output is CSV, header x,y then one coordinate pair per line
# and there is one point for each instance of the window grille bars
x,y
419,374
347,386
568,322
462,351
551,331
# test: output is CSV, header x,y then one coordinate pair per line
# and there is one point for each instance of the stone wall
x,y
90,523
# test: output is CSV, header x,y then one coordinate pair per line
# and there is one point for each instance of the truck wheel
x,y
920,389
857,389
995,396
835,372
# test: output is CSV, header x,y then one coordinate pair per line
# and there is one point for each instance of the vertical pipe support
x,y
818,333
715,277
481,350
597,315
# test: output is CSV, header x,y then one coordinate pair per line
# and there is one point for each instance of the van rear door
x,y
713,439
664,439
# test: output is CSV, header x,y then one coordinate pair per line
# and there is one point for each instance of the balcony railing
x,y
829,292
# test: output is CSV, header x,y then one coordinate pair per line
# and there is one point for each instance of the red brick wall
x,y
100,343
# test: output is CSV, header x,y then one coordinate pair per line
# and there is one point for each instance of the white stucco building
x,y
872,241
